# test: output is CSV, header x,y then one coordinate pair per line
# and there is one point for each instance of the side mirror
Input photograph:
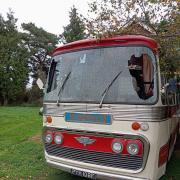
x,y
41,111
40,83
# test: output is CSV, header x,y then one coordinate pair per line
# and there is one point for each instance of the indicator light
x,y
136,126
144,126
49,119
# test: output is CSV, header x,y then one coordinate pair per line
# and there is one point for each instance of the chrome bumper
x,y
100,175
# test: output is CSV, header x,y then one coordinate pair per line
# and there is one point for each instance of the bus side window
x,y
169,91
163,89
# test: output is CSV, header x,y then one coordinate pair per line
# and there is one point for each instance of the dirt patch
x,y
36,138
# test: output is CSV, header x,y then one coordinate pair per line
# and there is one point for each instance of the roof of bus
x,y
105,42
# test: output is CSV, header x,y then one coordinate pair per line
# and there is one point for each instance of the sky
x,y
50,15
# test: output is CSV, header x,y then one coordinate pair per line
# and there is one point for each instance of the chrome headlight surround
x,y
132,148
58,139
117,147
48,138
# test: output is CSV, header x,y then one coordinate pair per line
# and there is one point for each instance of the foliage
x,y
13,64
21,55
75,30
34,95
40,43
169,39
112,17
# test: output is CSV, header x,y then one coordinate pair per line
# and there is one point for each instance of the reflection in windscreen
x,y
93,70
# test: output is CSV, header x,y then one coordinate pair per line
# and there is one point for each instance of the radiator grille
x,y
98,158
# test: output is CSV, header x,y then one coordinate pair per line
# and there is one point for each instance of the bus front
x,y
100,109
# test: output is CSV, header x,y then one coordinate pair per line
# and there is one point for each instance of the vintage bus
x,y
105,115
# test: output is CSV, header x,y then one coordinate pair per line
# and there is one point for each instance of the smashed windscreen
x,y
91,71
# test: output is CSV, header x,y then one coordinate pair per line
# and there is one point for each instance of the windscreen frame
x,y
99,47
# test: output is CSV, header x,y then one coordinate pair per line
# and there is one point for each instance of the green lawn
x,y
21,150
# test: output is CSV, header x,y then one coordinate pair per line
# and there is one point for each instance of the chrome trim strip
x,y
118,112
100,175
92,158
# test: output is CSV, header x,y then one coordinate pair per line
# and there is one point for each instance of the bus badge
x,y
85,140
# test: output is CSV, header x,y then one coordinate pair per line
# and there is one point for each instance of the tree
x,y
40,44
169,40
13,60
75,30
110,17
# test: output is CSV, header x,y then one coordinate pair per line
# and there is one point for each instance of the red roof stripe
x,y
112,41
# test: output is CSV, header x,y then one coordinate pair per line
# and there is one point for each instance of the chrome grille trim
x,y
146,145
98,158
119,112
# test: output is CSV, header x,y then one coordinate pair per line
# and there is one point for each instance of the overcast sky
x,y
50,15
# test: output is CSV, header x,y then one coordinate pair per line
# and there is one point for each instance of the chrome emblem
x,y
85,140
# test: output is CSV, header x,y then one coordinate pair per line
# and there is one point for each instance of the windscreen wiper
x,y
62,87
107,89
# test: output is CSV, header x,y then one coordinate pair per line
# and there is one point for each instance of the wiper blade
x,y
107,89
62,87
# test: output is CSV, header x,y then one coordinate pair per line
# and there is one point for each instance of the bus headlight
x,y
48,138
117,147
133,148
58,139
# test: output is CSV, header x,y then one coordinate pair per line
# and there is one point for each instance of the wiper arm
x,y
62,87
107,89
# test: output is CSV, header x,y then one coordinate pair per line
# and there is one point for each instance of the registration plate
x,y
93,118
83,174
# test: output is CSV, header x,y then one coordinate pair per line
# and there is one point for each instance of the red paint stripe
x,y
163,154
101,144
117,40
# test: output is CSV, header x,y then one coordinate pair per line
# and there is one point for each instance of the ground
x,y
21,149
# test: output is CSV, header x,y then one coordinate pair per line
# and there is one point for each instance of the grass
x,y
173,167
21,149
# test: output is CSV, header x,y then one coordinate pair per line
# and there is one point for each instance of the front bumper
x,y
99,174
